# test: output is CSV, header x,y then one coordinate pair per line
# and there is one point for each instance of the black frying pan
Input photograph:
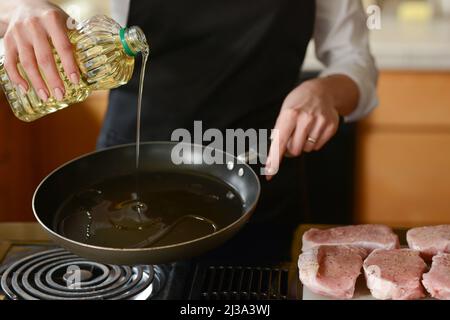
x,y
116,161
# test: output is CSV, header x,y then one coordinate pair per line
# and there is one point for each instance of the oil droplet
x,y
214,197
241,172
230,165
140,207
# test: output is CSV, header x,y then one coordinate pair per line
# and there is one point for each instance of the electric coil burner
x,y
58,274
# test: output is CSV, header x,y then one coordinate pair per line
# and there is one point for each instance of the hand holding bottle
x,y
34,28
58,66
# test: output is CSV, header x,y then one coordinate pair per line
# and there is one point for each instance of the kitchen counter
x,y
22,232
405,46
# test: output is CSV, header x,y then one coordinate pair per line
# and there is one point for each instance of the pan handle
x,y
250,157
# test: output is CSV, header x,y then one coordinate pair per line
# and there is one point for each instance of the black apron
x,y
228,63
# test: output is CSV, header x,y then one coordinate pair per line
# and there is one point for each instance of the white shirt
x,y
341,39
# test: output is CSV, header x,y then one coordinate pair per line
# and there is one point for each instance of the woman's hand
x,y
309,117
34,27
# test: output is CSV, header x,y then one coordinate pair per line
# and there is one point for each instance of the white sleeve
x,y
120,10
342,44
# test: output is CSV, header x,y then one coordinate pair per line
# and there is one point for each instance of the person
x,y
230,64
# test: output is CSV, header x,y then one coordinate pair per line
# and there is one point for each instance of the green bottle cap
x,y
125,45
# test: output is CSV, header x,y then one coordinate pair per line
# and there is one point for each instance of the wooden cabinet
x,y
16,166
30,151
403,173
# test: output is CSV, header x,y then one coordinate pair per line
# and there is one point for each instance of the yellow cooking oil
x,y
105,53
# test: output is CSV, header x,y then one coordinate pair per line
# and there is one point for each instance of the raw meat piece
x,y
437,280
429,240
395,274
331,270
367,236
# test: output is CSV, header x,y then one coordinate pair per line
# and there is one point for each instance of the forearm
x,y
342,45
342,90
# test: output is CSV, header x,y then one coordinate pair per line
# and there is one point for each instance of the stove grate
x,y
242,283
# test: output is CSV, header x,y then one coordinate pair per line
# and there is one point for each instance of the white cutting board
x,y
361,292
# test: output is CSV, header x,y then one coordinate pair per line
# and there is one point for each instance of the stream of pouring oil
x,y
145,54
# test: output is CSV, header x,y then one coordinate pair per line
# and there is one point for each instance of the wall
x,y
30,151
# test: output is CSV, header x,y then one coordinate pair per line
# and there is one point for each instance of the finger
x,y
314,135
298,139
46,60
283,130
10,63
28,61
327,134
56,28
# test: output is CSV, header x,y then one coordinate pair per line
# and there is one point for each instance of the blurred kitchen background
x,y
393,167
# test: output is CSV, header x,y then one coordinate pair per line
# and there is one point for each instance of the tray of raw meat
x,y
366,262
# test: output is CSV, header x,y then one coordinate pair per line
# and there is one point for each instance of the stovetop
x,y
32,267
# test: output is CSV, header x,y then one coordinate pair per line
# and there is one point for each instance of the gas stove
x,y
33,268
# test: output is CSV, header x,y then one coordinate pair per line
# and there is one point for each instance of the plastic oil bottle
x,y
105,53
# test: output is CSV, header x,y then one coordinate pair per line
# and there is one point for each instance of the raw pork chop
x,y
437,280
395,274
331,270
367,236
430,240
